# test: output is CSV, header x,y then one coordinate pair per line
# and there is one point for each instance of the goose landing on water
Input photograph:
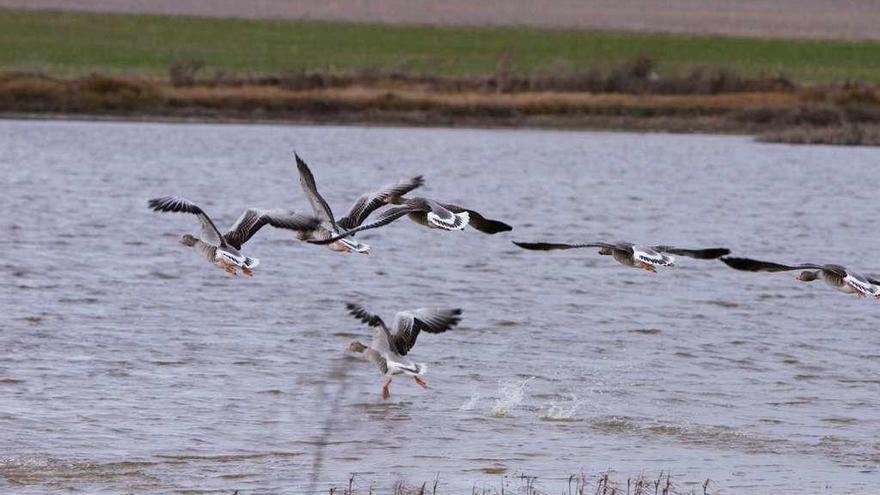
x,y
327,232
388,350
836,276
224,250
633,255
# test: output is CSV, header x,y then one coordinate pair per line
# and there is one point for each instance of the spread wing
x,y
550,246
751,265
700,254
479,222
370,202
408,325
386,217
307,181
209,233
253,219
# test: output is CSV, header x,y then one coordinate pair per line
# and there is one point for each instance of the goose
x,y
836,276
388,350
329,228
224,250
429,213
631,254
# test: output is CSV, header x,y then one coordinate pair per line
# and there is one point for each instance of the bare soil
x,y
820,19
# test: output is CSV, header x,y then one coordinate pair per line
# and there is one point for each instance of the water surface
x,y
131,365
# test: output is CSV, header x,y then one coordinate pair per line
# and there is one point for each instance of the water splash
x,y
563,410
511,394
471,403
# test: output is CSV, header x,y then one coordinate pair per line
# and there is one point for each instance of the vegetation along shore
x,y
160,67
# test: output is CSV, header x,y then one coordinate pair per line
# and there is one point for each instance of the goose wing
x,y
752,265
387,216
253,219
408,325
700,254
551,246
310,188
479,222
381,335
370,202
209,233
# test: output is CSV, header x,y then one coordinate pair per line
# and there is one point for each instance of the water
x,y
131,365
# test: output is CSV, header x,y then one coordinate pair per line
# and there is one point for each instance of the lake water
x,y
129,364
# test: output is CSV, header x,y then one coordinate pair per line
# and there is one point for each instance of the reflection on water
x,y
132,365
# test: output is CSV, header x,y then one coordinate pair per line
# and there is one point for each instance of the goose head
x,y
188,240
357,347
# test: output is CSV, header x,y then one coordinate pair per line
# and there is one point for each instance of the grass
x,y
79,43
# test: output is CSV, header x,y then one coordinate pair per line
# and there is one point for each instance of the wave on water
x,y
510,395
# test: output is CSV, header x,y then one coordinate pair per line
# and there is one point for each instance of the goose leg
x,y
385,393
650,268
230,268
247,271
421,382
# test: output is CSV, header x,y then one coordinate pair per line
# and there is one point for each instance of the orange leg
x,y
230,268
650,268
385,393
247,272
421,382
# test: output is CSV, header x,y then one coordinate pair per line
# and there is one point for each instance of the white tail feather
x,y
458,222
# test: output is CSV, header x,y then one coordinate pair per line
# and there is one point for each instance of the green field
x,y
75,43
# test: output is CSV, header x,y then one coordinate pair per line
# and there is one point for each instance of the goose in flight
x,y
224,250
836,276
633,255
429,213
327,232
388,350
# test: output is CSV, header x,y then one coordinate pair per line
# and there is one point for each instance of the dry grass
x,y
521,484
838,114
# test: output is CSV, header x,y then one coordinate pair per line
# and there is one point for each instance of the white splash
x,y
564,410
511,394
471,403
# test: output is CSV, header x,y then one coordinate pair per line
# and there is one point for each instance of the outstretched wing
x,y
381,335
253,219
365,316
209,234
700,254
307,181
751,265
368,203
385,218
479,222
550,246
408,325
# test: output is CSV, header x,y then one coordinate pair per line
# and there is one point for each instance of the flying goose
x,y
328,230
633,255
224,250
388,350
834,275
429,213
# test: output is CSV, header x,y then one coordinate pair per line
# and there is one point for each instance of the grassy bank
x,y
79,43
781,115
